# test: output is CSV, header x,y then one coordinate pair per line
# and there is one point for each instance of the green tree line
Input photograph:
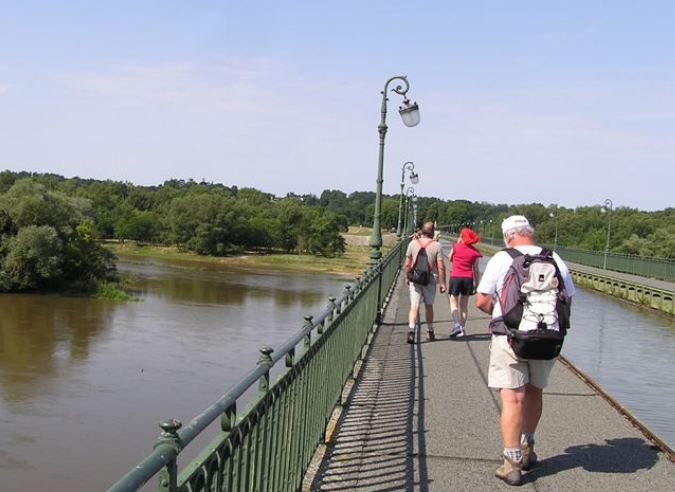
x,y
215,219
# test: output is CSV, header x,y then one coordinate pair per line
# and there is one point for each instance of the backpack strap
x,y
513,252
423,246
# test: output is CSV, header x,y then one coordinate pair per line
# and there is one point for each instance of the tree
x,y
33,261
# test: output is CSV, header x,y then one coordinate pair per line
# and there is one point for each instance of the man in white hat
x,y
521,382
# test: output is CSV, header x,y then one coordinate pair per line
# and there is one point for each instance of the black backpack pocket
x,y
536,344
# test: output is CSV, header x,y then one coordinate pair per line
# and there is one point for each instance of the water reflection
x,y
43,337
630,352
221,285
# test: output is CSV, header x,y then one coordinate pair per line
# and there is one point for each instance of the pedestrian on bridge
x,y
424,293
521,382
464,278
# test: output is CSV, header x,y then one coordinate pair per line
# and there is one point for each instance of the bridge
x,y
346,404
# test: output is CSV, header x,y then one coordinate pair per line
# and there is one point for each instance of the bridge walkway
x,y
421,418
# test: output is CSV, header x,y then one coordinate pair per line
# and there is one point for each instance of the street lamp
x,y
414,179
411,117
555,241
414,201
607,208
410,192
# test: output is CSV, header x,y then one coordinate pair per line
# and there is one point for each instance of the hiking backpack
x,y
535,306
420,273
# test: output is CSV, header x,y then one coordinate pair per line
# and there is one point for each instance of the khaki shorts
x,y
426,293
508,371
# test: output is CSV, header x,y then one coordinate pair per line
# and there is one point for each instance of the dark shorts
x,y
460,285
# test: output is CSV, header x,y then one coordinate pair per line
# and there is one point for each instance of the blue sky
x,y
566,102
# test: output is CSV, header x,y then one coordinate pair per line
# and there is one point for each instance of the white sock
x,y
514,453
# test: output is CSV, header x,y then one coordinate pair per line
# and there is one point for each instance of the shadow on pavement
x,y
621,455
373,449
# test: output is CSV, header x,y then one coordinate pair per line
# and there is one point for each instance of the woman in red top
x,y
464,277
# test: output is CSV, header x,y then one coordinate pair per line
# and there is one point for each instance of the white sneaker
x,y
456,331
461,333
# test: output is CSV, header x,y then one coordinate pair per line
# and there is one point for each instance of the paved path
x,y
421,418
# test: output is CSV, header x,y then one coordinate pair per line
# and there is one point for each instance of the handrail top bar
x,y
146,469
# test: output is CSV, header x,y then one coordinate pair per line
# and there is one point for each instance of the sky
x,y
556,102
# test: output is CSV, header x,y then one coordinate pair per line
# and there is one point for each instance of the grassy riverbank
x,y
353,262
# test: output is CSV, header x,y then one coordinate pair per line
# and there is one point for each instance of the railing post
x,y
333,307
168,475
263,444
308,326
348,288
265,360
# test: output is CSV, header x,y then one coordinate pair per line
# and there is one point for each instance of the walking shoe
x,y
456,331
411,337
461,333
510,471
529,456
431,335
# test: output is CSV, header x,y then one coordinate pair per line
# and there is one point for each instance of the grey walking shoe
x,y
510,471
456,331
529,456
431,335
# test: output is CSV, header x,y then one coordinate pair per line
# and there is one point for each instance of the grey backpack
x,y
535,306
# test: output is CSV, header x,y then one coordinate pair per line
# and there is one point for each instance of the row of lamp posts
x,y
411,117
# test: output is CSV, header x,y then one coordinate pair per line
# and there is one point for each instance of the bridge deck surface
x,y
420,417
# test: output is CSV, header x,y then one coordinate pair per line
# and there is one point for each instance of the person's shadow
x,y
622,455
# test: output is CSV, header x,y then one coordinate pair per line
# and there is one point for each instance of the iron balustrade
x,y
643,266
268,446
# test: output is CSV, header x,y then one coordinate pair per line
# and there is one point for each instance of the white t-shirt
x,y
492,281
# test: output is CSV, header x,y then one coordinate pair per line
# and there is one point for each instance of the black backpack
x,y
420,273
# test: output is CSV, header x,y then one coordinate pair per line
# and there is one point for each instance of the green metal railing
x,y
268,445
643,266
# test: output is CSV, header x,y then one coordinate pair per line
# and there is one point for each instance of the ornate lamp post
x,y
410,192
414,201
555,241
414,179
607,208
411,117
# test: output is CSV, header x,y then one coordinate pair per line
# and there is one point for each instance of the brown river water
x,y
83,383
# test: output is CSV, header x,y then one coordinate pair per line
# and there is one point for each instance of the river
x,y
83,383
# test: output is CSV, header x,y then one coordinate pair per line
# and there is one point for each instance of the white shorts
x,y
508,371
426,293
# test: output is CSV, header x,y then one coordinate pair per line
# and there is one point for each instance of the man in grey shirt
x,y
424,293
